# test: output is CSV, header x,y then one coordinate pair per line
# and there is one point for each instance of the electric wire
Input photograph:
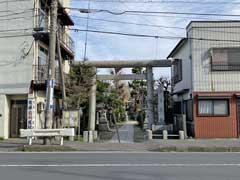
x,y
150,12
152,36
164,2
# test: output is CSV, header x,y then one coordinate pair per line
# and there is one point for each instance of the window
x,y
43,56
225,59
42,17
213,107
177,71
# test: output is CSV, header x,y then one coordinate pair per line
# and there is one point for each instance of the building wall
x,y
184,54
217,127
65,3
15,46
204,80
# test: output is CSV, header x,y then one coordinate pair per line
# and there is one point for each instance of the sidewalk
x,y
210,145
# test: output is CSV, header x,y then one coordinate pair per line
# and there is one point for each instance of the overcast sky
x,y
114,47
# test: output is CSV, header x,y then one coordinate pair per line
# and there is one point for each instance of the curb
x,y
49,148
196,149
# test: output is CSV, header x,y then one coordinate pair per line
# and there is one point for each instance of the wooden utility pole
x,y
51,67
62,78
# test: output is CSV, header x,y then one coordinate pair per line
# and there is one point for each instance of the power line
x,y
162,26
17,13
86,35
18,35
2,2
162,2
132,23
24,56
11,30
152,36
178,17
150,12
19,17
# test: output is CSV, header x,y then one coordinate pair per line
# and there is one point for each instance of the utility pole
x,y
62,78
51,68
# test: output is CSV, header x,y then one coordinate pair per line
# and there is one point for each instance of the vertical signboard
x,y
31,113
51,102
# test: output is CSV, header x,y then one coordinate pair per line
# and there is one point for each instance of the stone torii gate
x,y
148,64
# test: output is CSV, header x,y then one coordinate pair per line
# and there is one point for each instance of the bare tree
x,y
164,82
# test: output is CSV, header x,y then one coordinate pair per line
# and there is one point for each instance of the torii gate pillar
x,y
92,103
150,95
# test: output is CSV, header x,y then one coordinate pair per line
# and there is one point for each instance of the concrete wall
x,y
205,80
15,46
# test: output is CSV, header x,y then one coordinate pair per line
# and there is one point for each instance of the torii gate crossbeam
x,y
125,64
122,77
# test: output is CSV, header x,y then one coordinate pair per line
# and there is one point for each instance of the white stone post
x,y
149,134
61,141
184,121
90,136
85,136
165,134
95,135
181,135
30,141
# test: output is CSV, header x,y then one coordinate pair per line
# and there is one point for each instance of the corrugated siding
x,y
217,127
203,78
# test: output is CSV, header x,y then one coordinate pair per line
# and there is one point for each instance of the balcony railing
x,y
67,41
41,74
42,21
225,66
42,25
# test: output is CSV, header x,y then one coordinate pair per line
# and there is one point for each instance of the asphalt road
x,y
120,166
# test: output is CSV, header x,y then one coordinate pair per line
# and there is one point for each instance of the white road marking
x,y
117,152
119,165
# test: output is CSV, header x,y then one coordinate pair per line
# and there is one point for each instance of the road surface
x,y
120,166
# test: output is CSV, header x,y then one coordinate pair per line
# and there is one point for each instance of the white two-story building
x,y
206,78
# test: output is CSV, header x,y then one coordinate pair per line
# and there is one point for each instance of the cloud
x,y
110,47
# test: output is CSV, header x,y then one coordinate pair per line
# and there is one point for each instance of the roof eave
x,y
177,47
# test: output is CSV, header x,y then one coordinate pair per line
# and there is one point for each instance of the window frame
x,y
212,111
177,71
224,66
